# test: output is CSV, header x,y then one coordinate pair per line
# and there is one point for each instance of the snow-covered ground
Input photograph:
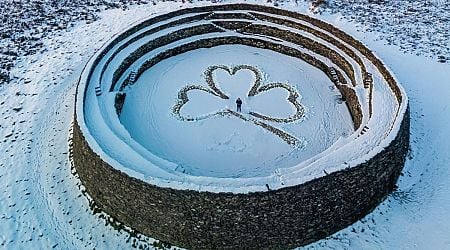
x,y
228,146
41,206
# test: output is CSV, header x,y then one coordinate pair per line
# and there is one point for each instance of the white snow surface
x,y
42,206
227,146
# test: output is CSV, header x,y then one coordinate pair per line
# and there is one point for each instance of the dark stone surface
x,y
278,219
119,100
351,99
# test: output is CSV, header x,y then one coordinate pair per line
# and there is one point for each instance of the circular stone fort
x,y
238,126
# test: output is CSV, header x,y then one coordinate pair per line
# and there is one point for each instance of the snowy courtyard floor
x,y
43,206
225,146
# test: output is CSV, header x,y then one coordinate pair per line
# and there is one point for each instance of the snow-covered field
x,y
42,206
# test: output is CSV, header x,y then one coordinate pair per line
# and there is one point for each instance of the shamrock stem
x,y
289,139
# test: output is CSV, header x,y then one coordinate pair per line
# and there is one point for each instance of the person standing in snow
x,y
238,105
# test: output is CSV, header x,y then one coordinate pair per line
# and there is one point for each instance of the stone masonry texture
x,y
278,219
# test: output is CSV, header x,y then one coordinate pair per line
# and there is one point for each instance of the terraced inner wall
x,y
276,219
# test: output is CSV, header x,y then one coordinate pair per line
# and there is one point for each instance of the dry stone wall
x,y
276,219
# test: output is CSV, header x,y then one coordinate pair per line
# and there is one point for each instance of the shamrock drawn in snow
x,y
253,116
